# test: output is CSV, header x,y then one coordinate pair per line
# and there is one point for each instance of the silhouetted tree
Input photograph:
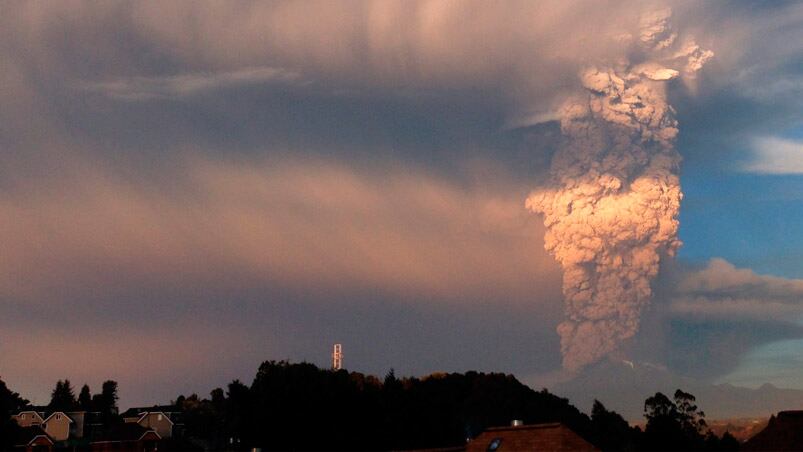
x,y
63,397
611,432
218,399
727,443
108,397
238,424
10,403
85,399
301,407
674,425
350,410
663,430
691,419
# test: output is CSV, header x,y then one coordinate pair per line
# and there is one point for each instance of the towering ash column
x,y
612,208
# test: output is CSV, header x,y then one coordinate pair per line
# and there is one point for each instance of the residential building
x,y
28,418
161,419
57,426
128,436
33,439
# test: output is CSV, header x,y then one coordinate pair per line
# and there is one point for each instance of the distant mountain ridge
x,y
623,387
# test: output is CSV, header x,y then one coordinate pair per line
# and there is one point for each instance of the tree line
x,y
63,398
299,406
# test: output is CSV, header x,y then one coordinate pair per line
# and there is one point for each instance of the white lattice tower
x,y
337,357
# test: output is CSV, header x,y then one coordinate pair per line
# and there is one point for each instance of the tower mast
x,y
337,357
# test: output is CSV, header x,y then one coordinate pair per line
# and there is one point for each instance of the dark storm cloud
x,y
705,318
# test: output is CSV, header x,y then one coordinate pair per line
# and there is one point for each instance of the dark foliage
x,y
107,401
298,406
85,399
63,397
301,407
10,403
679,425
610,431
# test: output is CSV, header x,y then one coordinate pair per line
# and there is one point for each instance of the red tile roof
x,y
541,437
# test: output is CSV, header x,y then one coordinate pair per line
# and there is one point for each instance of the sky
x,y
188,189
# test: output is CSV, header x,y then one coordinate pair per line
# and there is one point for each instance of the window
x,y
58,417
158,417
494,444
22,416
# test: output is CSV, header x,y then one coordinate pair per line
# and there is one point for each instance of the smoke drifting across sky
x,y
283,175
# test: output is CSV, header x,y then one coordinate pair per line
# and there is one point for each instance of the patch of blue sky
x,y
752,220
779,363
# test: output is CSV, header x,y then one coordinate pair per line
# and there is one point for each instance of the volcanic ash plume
x,y
612,210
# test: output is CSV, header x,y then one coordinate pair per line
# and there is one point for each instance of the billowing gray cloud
x,y
611,210
722,291
168,166
705,319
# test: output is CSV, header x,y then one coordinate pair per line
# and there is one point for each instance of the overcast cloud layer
x,y
207,177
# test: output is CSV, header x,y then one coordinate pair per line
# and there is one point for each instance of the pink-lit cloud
x,y
147,364
723,291
133,209
82,246
299,224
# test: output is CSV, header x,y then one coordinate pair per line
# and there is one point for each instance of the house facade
x,y
33,439
45,430
28,418
57,426
154,418
158,422
128,436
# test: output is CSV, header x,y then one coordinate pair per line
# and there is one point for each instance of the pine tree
x,y
85,399
10,403
108,397
63,397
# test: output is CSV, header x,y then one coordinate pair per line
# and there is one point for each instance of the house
x,y
128,436
85,423
57,426
28,418
33,439
552,437
158,418
78,423
783,432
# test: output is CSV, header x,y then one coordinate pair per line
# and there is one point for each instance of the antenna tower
x,y
337,357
